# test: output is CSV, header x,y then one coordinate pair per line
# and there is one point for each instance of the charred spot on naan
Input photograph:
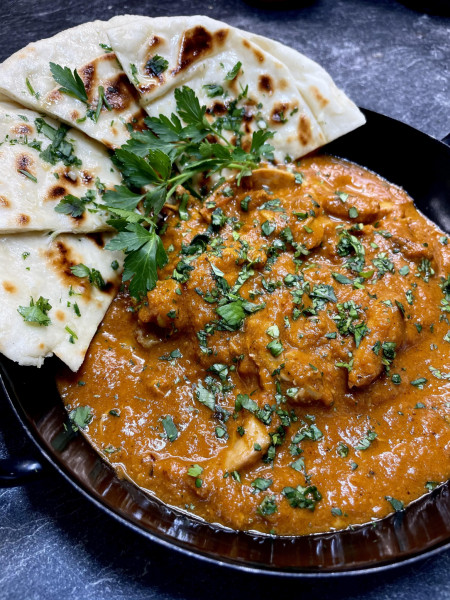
x,y
9,287
304,130
22,129
279,113
119,93
4,202
265,84
256,51
218,108
70,176
24,162
56,192
197,43
318,96
54,96
61,260
22,220
86,177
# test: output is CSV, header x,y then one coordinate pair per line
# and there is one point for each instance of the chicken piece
x,y
404,237
368,207
161,301
386,324
307,384
240,451
145,336
441,256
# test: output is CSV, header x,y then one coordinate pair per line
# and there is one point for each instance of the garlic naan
x,y
36,265
31,186
26,77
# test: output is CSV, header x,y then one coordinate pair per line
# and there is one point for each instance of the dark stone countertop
x,y
53,543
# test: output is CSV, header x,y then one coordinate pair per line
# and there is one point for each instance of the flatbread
x,y
334,111
35,265
201,51
31,187
26,77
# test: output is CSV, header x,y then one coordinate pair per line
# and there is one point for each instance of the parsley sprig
x,y
172,152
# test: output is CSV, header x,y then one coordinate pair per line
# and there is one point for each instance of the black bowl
x,y
403,156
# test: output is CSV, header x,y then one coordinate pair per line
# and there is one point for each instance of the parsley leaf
x,y
170,428
71,83
145,254
94,276
36,312
232,73
73,206
81,417
156,65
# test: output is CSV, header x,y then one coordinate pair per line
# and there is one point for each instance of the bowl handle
x,y
19,471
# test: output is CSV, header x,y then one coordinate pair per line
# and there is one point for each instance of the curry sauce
x,y
290,371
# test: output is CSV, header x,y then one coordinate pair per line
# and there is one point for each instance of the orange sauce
x,y
290,371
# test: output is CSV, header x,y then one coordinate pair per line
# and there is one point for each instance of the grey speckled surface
x,y
53,543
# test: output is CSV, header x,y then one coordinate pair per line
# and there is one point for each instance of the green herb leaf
x,y
261,485
70,82
170,428
36,312
156,65
267,507
212,90
81,417
397,505
94,276
302,497
366,441
233,72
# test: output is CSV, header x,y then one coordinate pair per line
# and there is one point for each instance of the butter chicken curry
x,y
290,371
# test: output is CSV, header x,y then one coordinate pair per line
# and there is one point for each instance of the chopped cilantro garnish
x,y
366,441
73,206
36,312
94,276
170,428
212,90
302,497
419,382
397,505
28,174
342,450
156,65
261,485
349,245
232,73
275,347
268,506
81,417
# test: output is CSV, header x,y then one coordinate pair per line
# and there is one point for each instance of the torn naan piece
x,y
45,308
46,168
27,78
220,63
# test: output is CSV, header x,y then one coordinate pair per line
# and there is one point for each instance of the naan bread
x,y
334,111
26,77
35,265
297,104
27,202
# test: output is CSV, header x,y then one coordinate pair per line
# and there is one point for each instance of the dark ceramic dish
x,y
403,156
